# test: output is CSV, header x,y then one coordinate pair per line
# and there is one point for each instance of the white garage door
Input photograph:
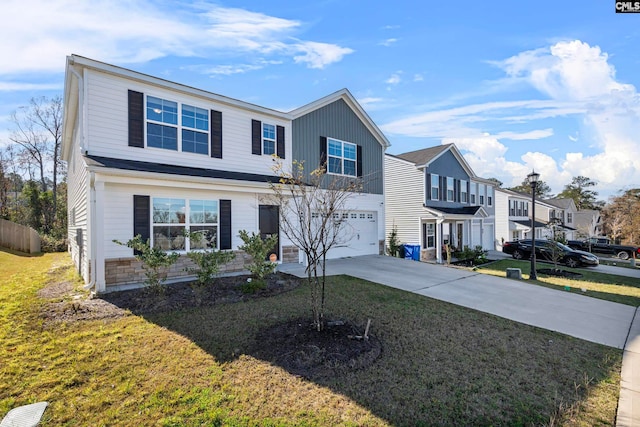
x,y
475,234
360,235
488,237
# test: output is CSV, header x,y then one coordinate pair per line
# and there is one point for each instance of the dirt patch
x,y
302,350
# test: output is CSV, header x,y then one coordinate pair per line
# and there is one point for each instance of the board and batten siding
x,y
404,198
337,120
107,127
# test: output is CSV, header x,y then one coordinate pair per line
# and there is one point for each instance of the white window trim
x,y
451,190
179,127
274,140
436,186
186,225
342,158
464,195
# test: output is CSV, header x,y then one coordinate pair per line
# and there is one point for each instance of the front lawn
x,y
622,289
440,364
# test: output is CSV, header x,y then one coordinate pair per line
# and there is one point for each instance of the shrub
x,y
394,244
49,243
154,262
475,256
207,260
258,248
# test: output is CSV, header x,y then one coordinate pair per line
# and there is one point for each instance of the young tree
x,y
621,216
579,191
312,211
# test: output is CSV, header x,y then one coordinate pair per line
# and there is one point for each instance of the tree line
x,y
32,175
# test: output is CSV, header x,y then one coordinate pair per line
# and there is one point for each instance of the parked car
x,y
603,245
521,249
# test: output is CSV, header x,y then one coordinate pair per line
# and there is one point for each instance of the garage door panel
x,y
360,236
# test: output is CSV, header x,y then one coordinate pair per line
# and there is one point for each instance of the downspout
x,y
92,232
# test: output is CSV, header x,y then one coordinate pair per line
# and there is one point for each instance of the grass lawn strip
x,y
621,289
440,365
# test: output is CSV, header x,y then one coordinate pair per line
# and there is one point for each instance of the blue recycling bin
x,y
412,252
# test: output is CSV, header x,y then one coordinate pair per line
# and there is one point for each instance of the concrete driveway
x,y
583,317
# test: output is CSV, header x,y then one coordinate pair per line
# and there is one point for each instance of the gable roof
x,y
562,203
424,157
349,99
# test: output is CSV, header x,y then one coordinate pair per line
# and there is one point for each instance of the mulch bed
x,y
316,355
559,273
294,345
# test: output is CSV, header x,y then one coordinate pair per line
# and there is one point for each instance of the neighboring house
x,y
558,214
588,223
513,220
434,198
152,157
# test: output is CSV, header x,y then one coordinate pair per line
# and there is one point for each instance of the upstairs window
x,y
163,126
342,157
195,128
481,189
435,186
268,139
473,193
490,196
450,188
162,123
512,209
569,217
464,196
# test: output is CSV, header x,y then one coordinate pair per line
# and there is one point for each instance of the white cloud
x,y
369,101
16,86
388,42
43,32
577,81
418,78
394,79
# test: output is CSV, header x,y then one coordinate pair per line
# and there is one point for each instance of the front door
x,y
269,223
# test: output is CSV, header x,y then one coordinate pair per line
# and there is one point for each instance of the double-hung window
x,y
435,186
464,196
428,235
450,189
164,130
481,190
473,193
195,130
162,123
173,217
489,196
342,157
268,139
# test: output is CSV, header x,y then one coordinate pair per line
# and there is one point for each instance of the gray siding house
x,y
433,198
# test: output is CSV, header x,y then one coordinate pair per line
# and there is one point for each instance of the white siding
x,y
107,126
404,199
502,217
78,213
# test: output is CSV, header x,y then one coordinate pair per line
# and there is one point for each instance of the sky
x,y
517,86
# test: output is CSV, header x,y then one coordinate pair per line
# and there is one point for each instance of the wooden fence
x,y
19,237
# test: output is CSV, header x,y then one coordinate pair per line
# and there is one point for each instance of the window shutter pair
x,y
136,125
142,220
256,139
324,158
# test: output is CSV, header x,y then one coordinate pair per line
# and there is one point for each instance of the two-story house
x,y
513,220
434,198
152,157
562,215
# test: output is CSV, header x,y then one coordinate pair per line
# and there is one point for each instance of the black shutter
x,y
225,224
359,160
256,137
141,218
456,190
280,141
323,153
216,134
136,119
428,186
443,189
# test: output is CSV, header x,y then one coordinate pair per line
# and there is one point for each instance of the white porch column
x,y
439,231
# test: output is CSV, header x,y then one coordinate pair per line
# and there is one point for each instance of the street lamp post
x,y
532,178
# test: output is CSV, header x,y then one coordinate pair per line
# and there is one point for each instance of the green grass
x,y
440,364
622,289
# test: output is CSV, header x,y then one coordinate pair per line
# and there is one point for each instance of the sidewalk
x,y
629,402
